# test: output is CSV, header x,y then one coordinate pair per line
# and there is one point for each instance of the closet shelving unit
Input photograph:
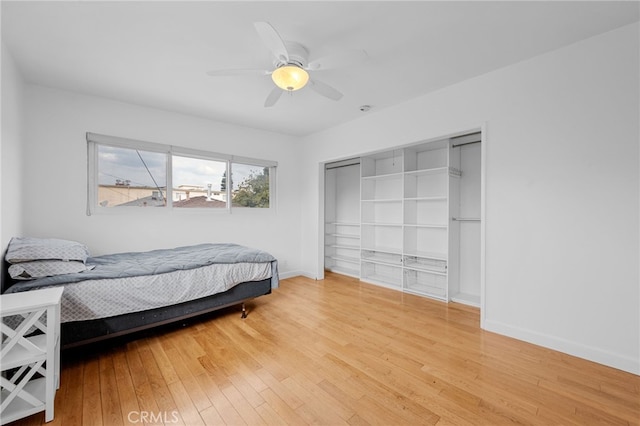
x,y
429,189
381,218
405,206
409,219
342,245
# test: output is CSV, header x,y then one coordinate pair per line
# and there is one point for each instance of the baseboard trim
x,y
620,362
291,274
309,275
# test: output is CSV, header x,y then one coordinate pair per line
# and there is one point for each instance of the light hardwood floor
x,y
336,352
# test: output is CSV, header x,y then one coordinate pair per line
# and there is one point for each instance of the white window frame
x,y
94,140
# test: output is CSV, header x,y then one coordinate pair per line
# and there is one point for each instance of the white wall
x,y
562,191
11,159
55,179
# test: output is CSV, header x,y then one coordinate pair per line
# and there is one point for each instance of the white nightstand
x,y
23,391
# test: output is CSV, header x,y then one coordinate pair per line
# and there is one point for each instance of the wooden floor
x,y
335,352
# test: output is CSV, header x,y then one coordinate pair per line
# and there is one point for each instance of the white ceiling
x,y
156,53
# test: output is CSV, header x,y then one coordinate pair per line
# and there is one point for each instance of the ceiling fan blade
x,y
273,97
342,59
325,90
231,72
272,40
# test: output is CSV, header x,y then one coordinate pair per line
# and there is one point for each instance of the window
x,y
129,173
250,186
131,177
198,182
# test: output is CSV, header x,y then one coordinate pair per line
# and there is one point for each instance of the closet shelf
x,y
426,225
454,172
381,262
383,280
382,258
427,255
345,259
435,266
393,225
343,246
425,172
425,290
417,267
345,236
438,198
396,175
388,250
382,200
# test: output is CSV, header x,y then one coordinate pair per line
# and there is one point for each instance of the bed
x,y
115,294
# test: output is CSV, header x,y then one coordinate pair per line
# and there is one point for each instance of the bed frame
x,y
77,333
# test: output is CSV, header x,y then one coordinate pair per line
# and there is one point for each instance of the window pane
x,y
131,177
199,183
250,186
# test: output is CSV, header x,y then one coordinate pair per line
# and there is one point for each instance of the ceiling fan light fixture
x,y
290,77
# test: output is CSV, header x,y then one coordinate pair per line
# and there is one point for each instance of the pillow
x,y
45,268
26,249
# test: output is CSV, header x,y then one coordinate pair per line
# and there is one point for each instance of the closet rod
x,y
342,163
345,165
466,143
464,219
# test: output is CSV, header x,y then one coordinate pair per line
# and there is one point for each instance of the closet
x,y
464,282
414,213
342,217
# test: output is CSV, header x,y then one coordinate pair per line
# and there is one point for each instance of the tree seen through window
x,y
250,186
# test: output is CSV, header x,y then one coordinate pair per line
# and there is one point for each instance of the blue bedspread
x,y
154,262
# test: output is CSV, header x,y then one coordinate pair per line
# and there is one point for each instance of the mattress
x,y
101,298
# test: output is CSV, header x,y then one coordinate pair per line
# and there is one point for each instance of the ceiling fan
x,y
292,67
